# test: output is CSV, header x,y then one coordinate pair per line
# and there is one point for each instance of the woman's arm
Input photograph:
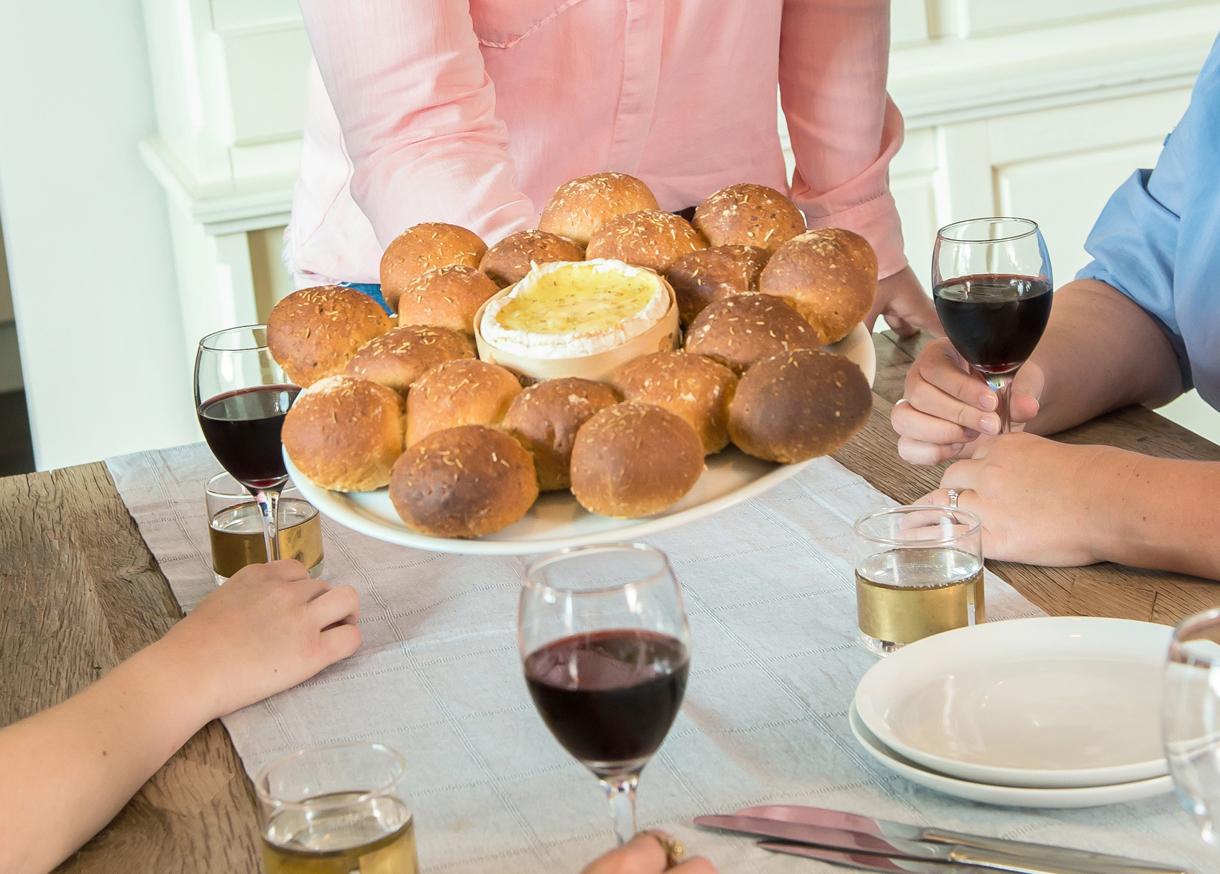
x,y
65,772
418,113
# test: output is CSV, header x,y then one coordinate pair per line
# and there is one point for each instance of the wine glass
x,y
1191,718
606,649
991,280
241,398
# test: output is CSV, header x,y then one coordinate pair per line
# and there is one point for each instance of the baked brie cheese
x,y
569,309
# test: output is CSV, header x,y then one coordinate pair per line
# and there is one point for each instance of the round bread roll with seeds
x,y
511,258
580,207
748,215
545,419
798,405
314,332
633,460
463,482
648,238
447,297
704,277
691,386
746,328
461,392
829,275
399,357
425,247
345,434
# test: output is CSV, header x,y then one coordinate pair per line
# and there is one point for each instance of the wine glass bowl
x,y
605,648
1191,718
991,281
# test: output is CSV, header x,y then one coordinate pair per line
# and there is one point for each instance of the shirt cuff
x,y
877,221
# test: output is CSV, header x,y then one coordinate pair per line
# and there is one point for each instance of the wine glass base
x,y
879,647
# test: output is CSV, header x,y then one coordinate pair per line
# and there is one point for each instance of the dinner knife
x,y
857,842
868,862
821,816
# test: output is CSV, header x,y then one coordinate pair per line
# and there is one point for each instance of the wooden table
x,y
82,592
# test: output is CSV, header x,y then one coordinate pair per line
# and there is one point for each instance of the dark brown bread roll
x,y
634,460
314,332
398,358
580,207
830,276
748,215
798,405
344,433
691,386
461,392
545,418
463,482
746,328
648,238
704,277
511,258
425,247
447,297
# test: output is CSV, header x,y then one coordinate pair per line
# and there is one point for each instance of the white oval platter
x,y
556,521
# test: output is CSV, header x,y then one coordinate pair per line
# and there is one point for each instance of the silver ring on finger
x,y
954,494
900,402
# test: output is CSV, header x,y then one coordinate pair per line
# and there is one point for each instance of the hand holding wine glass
x,y
241,398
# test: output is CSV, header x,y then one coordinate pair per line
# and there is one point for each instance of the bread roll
x,y
748,215
799,405
648,238
344,433
830,276
398,358
314,332
691,386
463,482
634,460
746,328
545,418
578,208
709,275
425,247
511,258
462,392
447,297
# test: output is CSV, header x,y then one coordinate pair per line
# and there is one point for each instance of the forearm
x,y
1156,513
1100,352
65,772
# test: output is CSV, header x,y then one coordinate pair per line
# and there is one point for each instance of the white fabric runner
x,y
770,595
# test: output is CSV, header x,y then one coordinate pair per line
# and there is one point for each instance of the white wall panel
x,y
266,82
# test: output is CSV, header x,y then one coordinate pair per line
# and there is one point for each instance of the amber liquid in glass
x,y
329,836
903,595
236,533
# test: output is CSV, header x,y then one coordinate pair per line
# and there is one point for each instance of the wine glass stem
x,y
1001,384
269,505
620,792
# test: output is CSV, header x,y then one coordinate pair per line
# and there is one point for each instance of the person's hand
x,y
1040,502
904,304
644,854
268,628
945,406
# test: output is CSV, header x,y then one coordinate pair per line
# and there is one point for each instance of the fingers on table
x,y
340,641
696,865
340,604
920,452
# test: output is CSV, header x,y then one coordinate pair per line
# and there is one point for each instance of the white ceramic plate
x,y
1011,796
1048,702
556,521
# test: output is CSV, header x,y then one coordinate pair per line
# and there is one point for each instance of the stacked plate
x,y
1049,712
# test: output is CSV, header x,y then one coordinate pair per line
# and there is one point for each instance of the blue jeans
x,y
373,291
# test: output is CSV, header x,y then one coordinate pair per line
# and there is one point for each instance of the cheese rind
x,y
570,309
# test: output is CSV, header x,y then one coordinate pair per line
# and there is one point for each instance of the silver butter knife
x,y
867,862
857,842
884,828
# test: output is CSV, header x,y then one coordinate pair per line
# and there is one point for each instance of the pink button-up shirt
x,y
474,111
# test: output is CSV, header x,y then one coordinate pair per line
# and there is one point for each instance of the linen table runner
x,y
774,664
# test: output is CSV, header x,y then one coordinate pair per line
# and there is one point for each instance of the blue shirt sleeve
x,y
1134,242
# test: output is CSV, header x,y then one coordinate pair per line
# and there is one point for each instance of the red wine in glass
x,y
243,427
609,696
991,279
994,320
